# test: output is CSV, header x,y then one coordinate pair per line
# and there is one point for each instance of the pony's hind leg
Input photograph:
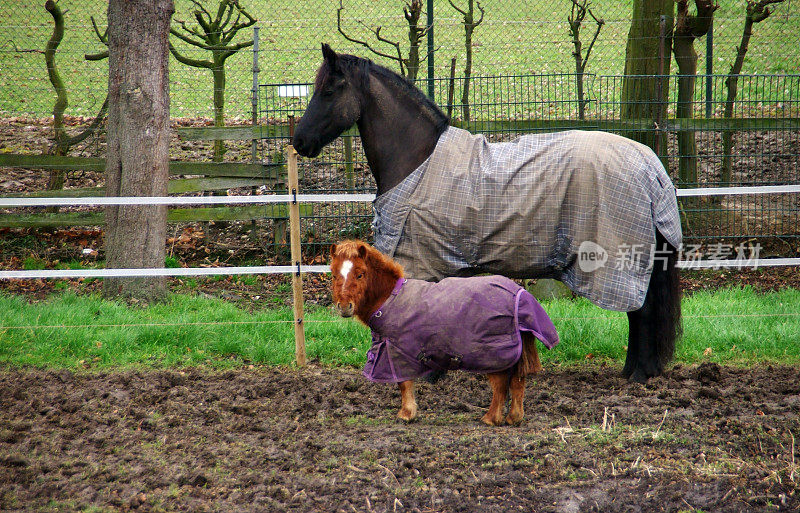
x,y
408,408
517,410
499,383
529,363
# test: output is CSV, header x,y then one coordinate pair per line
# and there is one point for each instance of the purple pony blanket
x,y
471,324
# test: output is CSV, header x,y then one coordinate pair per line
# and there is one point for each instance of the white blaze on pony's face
x,y
347,266
349,270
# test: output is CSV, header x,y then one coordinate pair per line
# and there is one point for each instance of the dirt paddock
x,y
704,438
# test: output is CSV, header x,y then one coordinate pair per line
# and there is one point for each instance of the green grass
x,y
185,330
733,326
515,38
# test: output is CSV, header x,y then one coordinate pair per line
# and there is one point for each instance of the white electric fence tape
x,y
184,200
318,198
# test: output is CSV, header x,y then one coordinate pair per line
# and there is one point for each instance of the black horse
x,y
400,127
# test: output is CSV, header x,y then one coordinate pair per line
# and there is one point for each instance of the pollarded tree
x,y
62,140
214,33
578,12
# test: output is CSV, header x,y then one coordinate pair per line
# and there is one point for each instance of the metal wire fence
x,y
764,148
522,80
514,37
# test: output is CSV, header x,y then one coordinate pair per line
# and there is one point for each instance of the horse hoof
x,y
514,420
407,415
492,421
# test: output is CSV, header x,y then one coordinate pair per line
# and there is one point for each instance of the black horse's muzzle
x,y
305,146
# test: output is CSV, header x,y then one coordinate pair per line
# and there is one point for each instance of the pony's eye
x,y
361,275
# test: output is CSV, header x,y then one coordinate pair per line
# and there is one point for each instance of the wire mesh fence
x,y
764,147
522,80
513,37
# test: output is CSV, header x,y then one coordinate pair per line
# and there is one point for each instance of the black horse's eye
x,y
327,93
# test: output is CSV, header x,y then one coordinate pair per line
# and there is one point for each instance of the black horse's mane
x,y
360,69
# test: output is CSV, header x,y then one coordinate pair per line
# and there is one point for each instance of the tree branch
x,y
103,54
187,39
454,6
358,41
600,23
759,11
198,14
93,126
196,63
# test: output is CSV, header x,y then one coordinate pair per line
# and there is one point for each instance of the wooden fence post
x,y
349,173
294,239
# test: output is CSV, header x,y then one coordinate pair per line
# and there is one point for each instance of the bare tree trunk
x,y
575,19
756,13
470,23
412,13
218,71
644,93
62,141
138,141
687,29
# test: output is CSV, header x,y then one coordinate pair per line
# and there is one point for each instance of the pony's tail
x,y
529,361
666,303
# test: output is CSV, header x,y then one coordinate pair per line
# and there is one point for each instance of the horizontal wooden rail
x,y
178,186
175,215
214,169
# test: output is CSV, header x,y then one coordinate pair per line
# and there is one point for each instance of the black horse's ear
x,y
330,56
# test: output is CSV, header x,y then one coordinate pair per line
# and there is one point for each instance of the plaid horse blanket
x,y
471,324
581,207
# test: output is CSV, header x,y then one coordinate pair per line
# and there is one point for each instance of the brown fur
x,y
370,283
378,277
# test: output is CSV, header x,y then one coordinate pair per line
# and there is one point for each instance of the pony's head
x,y
334,107
363,278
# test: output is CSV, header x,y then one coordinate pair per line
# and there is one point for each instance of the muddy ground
x,y
704,438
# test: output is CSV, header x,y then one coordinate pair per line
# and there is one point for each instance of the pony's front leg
x,y
499,383
408,409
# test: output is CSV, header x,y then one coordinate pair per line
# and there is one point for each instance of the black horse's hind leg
x,y
654,328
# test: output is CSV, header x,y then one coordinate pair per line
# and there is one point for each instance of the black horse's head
x,y
334,108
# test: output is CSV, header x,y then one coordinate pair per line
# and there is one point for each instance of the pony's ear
x,y
362,250
333,250
330,56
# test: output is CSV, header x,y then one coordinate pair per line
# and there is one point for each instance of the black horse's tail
x,y
656,326
667,318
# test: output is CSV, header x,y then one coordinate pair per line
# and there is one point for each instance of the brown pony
x,y
363,281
